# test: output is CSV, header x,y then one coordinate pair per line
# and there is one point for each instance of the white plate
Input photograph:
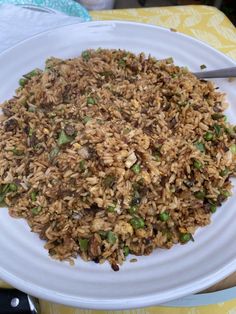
x,y
165,274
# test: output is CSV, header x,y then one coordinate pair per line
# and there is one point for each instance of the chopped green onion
x,y
103,234
230,131
185,237
13,187
2,197
111,237
91,101
31,108
17,152
169,60
197,164
233,149
36,210
109,181
111,208
138,185
54,152
83,244
106,74
133,210
208,136
86,119
86,55
164,216
217,129
99,121
126,251
32,73
48,64
136,168
217,116
137,222
200,146
63,138
4,188
213,208
157,155
225,193
183,103
82,165
200,195
31,131
22,82
33,196
122,63
224,172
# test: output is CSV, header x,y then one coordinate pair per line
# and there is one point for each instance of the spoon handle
x,y
227,72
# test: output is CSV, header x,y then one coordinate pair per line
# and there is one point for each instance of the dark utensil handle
x,y
14,301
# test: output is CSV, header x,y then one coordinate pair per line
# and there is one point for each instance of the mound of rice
x,y
113,153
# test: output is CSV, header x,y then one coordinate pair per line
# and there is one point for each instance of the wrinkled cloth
x,y
18,23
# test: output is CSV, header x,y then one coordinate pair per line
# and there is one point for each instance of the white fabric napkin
x,y
17,23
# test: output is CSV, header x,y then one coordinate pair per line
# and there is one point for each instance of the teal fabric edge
x,y
68,7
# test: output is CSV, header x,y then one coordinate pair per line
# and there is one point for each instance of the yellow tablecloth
x,y
203,22
207,24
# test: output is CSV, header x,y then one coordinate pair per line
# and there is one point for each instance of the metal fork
x,y
227,72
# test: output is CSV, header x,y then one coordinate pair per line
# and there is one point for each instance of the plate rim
x,y
129,303
148,25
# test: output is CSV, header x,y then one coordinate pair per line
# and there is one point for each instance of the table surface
x,y
213,27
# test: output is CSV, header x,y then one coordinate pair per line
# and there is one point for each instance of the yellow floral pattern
x,y
203,22
207,24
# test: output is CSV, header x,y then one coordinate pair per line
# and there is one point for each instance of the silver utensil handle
x,y
227,72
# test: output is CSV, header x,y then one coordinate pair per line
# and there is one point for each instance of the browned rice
x,y
119,110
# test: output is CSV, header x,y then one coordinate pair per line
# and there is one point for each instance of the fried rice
x,y
112,153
